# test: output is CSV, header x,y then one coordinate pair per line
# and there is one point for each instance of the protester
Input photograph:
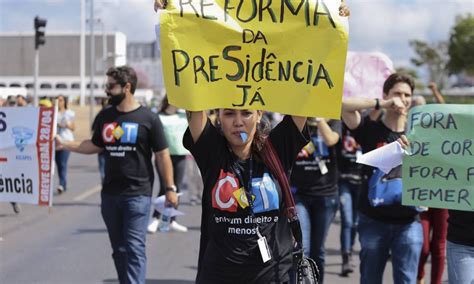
x,y
231,164
435,225
66,126
389,229
314,180
11,101
129,134
21,101
351,179
235,215
174,124
350,185
45,102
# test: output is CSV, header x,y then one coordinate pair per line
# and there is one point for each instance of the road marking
x,y
88,193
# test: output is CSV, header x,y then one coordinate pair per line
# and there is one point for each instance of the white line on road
x,y
88,193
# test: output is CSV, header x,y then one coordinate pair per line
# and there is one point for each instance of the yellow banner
x,y
282,55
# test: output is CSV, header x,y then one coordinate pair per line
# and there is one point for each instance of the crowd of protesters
x,y
229,148
324,177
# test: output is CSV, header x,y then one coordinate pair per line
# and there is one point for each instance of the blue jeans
x,y
126,218
378,240
316,214
460,264
349,198
61,158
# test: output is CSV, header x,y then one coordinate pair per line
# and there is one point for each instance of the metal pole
x,y
82,56
35,94
92,63
104,48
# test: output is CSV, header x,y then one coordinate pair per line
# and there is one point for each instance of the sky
x,y
375,25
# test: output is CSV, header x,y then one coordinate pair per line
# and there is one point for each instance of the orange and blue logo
x,y
127,132
228,195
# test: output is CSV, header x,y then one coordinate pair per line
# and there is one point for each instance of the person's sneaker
x,y
16,208
351,261
60,189
153,226
346,265
174,226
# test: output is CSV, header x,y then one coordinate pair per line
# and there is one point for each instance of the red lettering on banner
x,y
45,148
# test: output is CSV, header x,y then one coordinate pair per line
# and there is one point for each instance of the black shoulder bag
x,y
305,268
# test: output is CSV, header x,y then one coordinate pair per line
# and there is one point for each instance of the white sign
x,y
27,154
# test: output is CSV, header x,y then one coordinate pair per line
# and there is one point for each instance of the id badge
x,y
264,250
322,167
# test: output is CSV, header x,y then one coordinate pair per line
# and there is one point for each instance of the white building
x,y
59,61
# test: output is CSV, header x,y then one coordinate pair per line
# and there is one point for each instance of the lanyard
x,y
248,190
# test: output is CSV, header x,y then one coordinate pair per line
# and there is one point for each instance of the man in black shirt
x,y
128,134
391,228
314,178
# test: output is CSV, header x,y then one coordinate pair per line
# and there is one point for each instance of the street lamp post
x,y
92,63
39,24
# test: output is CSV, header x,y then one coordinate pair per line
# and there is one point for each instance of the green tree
x,y
434,57
408,71
461,45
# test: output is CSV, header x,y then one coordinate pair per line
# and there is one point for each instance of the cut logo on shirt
x,y
125,133
228,195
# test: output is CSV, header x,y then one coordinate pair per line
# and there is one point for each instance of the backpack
x,y
386,189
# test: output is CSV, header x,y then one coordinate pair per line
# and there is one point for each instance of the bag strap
x,y
272,161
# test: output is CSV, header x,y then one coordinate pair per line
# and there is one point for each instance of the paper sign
x,y
385,158
440,170
281,56
366,73
27,154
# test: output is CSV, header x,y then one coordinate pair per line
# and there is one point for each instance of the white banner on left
x,y
27,154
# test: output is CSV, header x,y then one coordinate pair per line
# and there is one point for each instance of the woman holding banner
x,y
245,233
230,159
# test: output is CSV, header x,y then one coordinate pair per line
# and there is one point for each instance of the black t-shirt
x,y
228,250
461,227
371,135
347,152
129,139
315,170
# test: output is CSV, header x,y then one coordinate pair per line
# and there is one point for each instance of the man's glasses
x,y
110,86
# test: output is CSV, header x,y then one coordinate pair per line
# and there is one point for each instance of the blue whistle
x,y
244,136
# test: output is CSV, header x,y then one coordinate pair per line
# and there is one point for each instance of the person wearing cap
x,y
45,103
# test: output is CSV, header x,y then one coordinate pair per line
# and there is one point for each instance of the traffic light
x,y
39,34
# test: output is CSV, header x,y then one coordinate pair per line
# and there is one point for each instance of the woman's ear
x,y
259,116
